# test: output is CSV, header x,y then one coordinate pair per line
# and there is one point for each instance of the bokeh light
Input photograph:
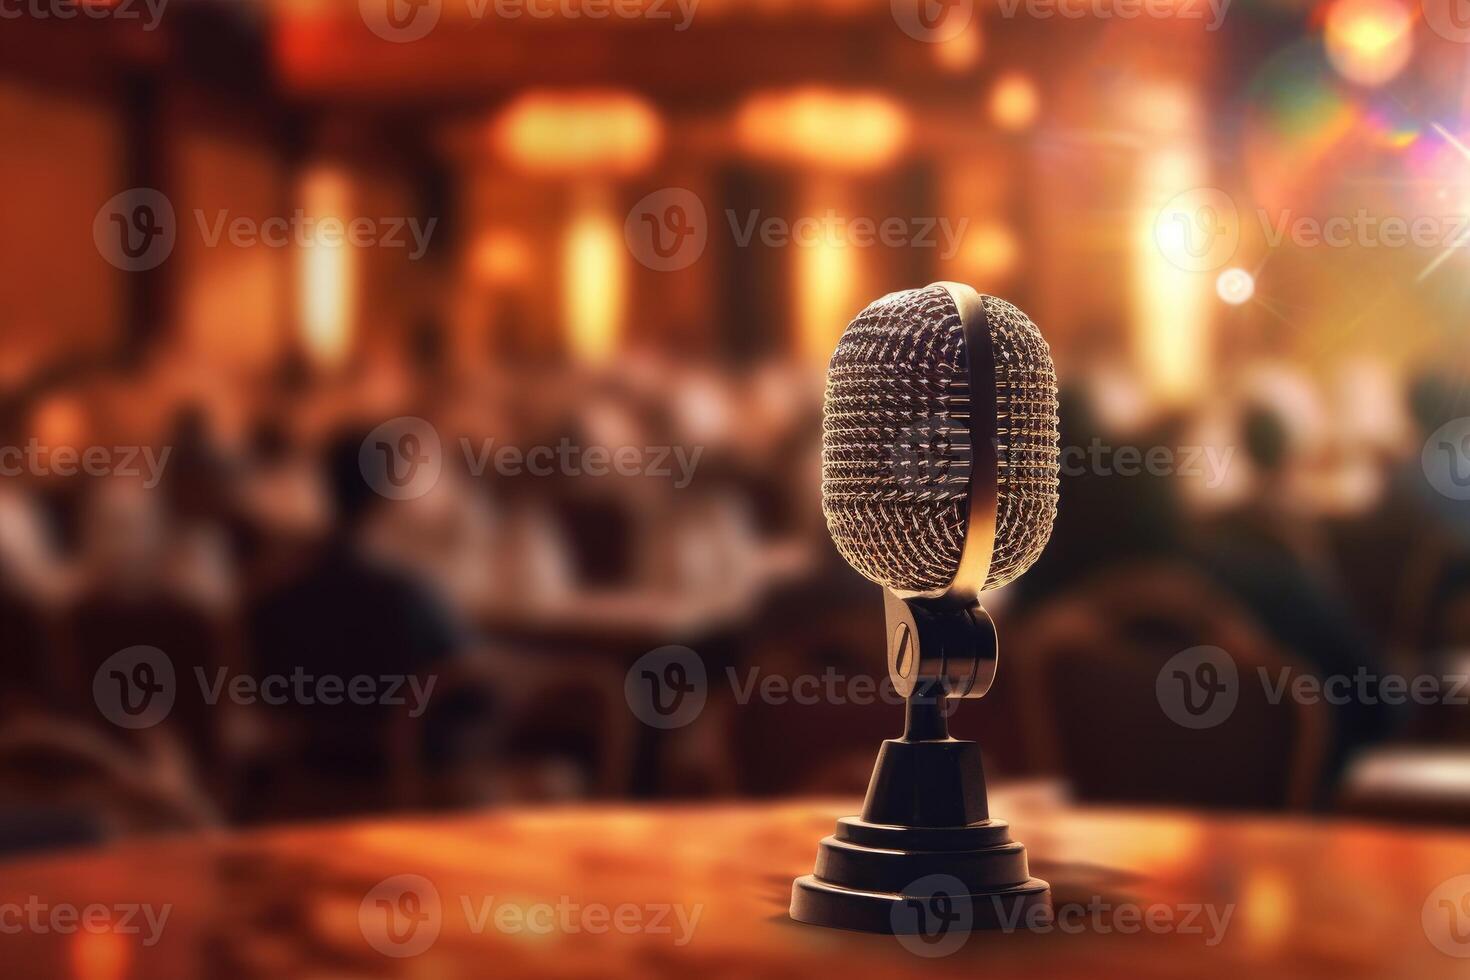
x,y
606,132
327,269
501,258
594,283
1014,102
1368,41
1235,286
855,131
958,53
989,252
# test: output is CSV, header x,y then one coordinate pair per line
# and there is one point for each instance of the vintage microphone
x,y
939,481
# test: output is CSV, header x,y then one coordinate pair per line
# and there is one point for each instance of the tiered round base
x,y
868,875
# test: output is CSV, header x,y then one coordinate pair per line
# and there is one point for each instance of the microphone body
x,y
939,467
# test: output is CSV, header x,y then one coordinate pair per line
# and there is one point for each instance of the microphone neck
x,y
925,719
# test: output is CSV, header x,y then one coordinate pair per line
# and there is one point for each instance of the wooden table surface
x,y
702,891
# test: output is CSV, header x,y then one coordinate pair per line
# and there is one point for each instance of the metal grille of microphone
x,y
896,453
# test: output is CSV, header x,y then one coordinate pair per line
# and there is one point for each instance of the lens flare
x,y
1298,122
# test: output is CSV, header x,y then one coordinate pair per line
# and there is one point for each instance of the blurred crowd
x,y
246,531
1290,520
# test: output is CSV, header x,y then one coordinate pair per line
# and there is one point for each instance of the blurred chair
x,y
1089,672
1433,632
34,585
126,599
27,649
101,625
826,746
565,717
1434,597
314,761
64,784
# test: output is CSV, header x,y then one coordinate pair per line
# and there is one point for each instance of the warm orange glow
x,y
1171,300
99,956
828,272
823,128
60,421
1163,110
327,271
594,283
1014,102
1368,41
14,362
501,258
1267,906
989,252
961,51
592,132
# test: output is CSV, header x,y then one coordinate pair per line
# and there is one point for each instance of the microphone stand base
x,y
925,858
820,903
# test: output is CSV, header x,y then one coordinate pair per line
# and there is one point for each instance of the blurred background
x,y
281,281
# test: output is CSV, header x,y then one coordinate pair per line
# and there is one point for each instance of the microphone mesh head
x,y
896,454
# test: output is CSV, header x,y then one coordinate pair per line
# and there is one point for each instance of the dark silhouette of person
x,y
1271,560
352,614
